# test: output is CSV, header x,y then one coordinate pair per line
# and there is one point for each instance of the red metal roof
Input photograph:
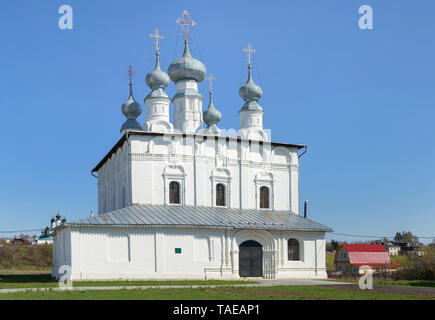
x,y
372,265
374,255
369,258
377,265
364,247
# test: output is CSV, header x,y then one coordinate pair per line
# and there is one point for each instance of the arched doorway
x,y
250,259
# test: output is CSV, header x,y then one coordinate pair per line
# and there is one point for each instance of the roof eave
x,y
138,132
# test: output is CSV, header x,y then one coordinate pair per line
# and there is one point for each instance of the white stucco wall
x,y
141,253
155,161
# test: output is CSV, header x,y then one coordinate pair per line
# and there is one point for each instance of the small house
x,y
349,258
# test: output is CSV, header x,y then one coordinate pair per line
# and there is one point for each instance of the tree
x,y
398,236
334,244
406,236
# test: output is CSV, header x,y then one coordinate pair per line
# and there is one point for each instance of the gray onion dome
x,y
157,78
187,67
212,115
131,110
250,91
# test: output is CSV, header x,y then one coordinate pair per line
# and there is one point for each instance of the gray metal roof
x,y
191,216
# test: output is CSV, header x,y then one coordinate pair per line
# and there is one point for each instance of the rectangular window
x,y
177,250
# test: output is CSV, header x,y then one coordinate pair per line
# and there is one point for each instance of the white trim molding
x,y
223,176
264,179
174,172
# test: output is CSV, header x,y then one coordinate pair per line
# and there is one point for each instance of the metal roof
x,y
191,216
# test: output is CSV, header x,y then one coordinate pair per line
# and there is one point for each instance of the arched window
x,y
293,250
220,194
174,192
264,197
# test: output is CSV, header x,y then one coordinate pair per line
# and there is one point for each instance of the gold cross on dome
x,y
186,22
130,72
157,37
250,52
210,78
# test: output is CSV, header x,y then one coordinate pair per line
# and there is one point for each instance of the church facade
x,y
177,200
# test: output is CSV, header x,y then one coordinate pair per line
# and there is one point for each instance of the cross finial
x,y
157,37
250,52
130,72
186,22
210,78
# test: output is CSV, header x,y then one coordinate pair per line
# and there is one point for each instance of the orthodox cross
x,y
157,37
186,22
210,78
250,52
130,72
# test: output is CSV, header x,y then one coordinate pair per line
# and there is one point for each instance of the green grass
x,y
221,293
408,283
330,256
403,260
44,280
158,283
30,280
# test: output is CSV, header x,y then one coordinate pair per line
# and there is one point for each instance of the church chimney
x,y
305,208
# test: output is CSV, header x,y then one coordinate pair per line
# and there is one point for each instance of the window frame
x,y
298,249
220,195
172,194
262,199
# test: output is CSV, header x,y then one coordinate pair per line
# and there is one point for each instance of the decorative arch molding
x,y
264,179
282,152
263,237
301,247
162,140
253,134
174,172
210,244
158,126
223,176
270,254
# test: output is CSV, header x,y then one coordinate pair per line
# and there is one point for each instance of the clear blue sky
x,y
362,100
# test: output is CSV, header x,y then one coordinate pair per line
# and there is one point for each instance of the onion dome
x,y
131,110
212,115
187,67
250,91
157,79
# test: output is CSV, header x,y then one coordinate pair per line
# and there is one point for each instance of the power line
x,y
379,237
16,231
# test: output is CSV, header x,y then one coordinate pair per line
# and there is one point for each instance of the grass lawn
x,y
330,257
221,293
410,283
37,279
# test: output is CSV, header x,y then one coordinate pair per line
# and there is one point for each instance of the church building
x,y
181,200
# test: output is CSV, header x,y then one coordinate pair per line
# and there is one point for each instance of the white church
x,y
181,200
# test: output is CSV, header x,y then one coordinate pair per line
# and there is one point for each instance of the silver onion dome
x,y
157,79
187,67
250,91
131,110
211,115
